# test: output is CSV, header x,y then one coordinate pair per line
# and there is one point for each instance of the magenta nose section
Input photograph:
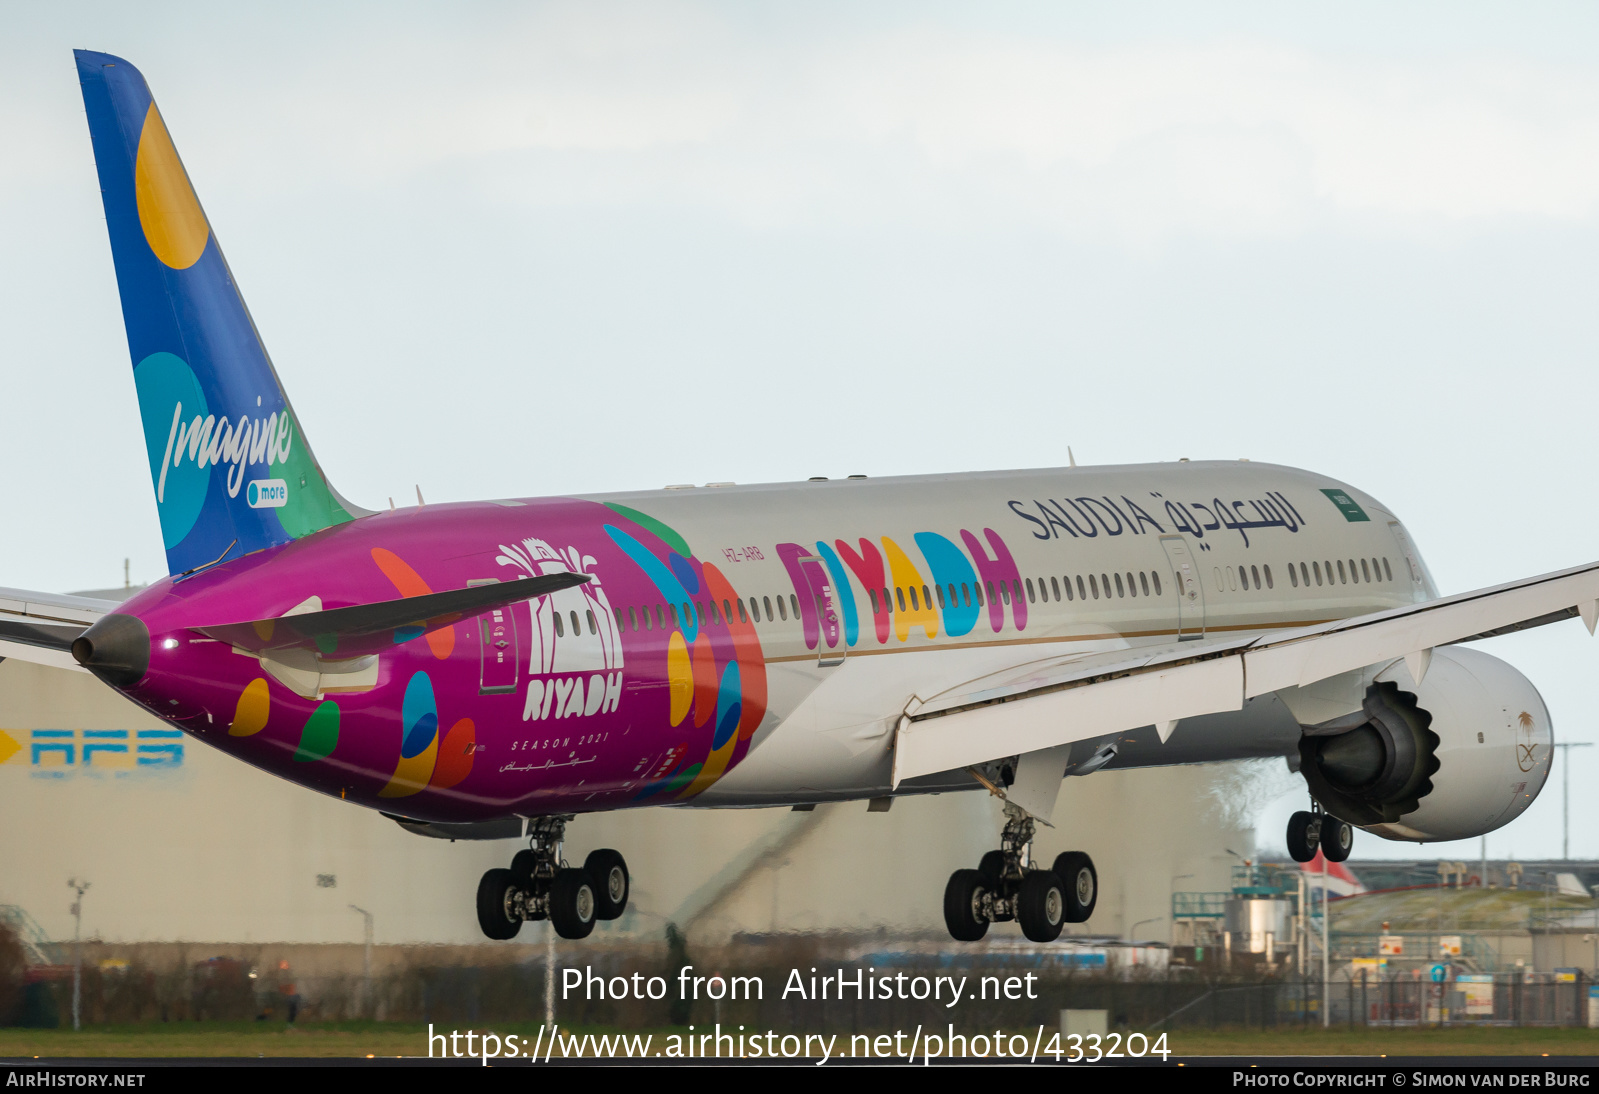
x,y
116,649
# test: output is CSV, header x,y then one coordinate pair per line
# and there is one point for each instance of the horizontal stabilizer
x,y
40,627
366,629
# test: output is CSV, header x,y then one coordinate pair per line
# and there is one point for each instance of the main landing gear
x,y
1007,885
540,885
1317,827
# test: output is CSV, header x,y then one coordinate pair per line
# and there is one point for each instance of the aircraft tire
x,y
962,897
1337,838
572,903
493,905
607,871
523,863
1041,906
992,867
1301,847
1080,882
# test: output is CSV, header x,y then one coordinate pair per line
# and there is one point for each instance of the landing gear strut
x,y
1008,885
1308,830
540,885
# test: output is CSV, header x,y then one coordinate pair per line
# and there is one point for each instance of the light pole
x,y
366,959
80,887
1565,796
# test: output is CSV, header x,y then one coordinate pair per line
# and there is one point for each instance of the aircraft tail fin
x,y
232,470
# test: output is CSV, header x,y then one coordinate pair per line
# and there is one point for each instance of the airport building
x,y
181,844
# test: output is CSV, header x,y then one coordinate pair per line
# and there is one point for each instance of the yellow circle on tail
x,y
170,214
250,716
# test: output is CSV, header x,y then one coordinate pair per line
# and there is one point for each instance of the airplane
x,y
497,669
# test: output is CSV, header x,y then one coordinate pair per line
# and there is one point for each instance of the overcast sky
x,y
547,248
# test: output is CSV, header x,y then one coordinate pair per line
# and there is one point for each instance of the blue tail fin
x,y
232,470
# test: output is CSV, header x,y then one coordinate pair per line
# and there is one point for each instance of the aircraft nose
x,y
116,649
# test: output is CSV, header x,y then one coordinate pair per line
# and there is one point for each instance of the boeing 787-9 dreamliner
x,y
497,669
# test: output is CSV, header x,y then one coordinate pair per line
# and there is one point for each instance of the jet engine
x,y
1463,753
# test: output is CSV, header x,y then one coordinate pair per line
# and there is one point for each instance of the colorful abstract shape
x,y
455,755
250,715
321,733
409,583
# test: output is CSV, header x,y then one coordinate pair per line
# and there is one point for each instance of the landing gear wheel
x,y
1080,882
523,864
495,910
963,899
572,903
1337,838
992,867
1041,906
1301,844
607,871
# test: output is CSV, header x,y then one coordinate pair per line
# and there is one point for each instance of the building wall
x,y
183,843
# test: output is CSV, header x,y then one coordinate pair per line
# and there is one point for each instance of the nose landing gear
x,y
1007,885
539,885
1314,828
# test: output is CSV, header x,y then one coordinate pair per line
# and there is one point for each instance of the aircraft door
x,y
498,648
1189,589
831,649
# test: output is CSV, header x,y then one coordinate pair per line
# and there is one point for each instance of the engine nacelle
x,y
1463,754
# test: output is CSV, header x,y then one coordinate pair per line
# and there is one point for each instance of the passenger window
x,y
743,617
1016,589
1155,577
577,628
793,602
1081,595
766,602
1269,584
1119,591
977,593
727,612
1354,577
593,626
940,589
560,627
1342,580
899,594
716,616
1004,592
927,597
1221,582
954,597
1030,598
915,607
1143,582
1243,578
1304,574
632,619
966,595
1317,565
873,594
1365,571
1093,583
1254,573
1054,585
1387,569
781,610
888,602
990,585
1293,576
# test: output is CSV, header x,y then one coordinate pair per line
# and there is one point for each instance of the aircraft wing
x,y
1052,703
40,627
